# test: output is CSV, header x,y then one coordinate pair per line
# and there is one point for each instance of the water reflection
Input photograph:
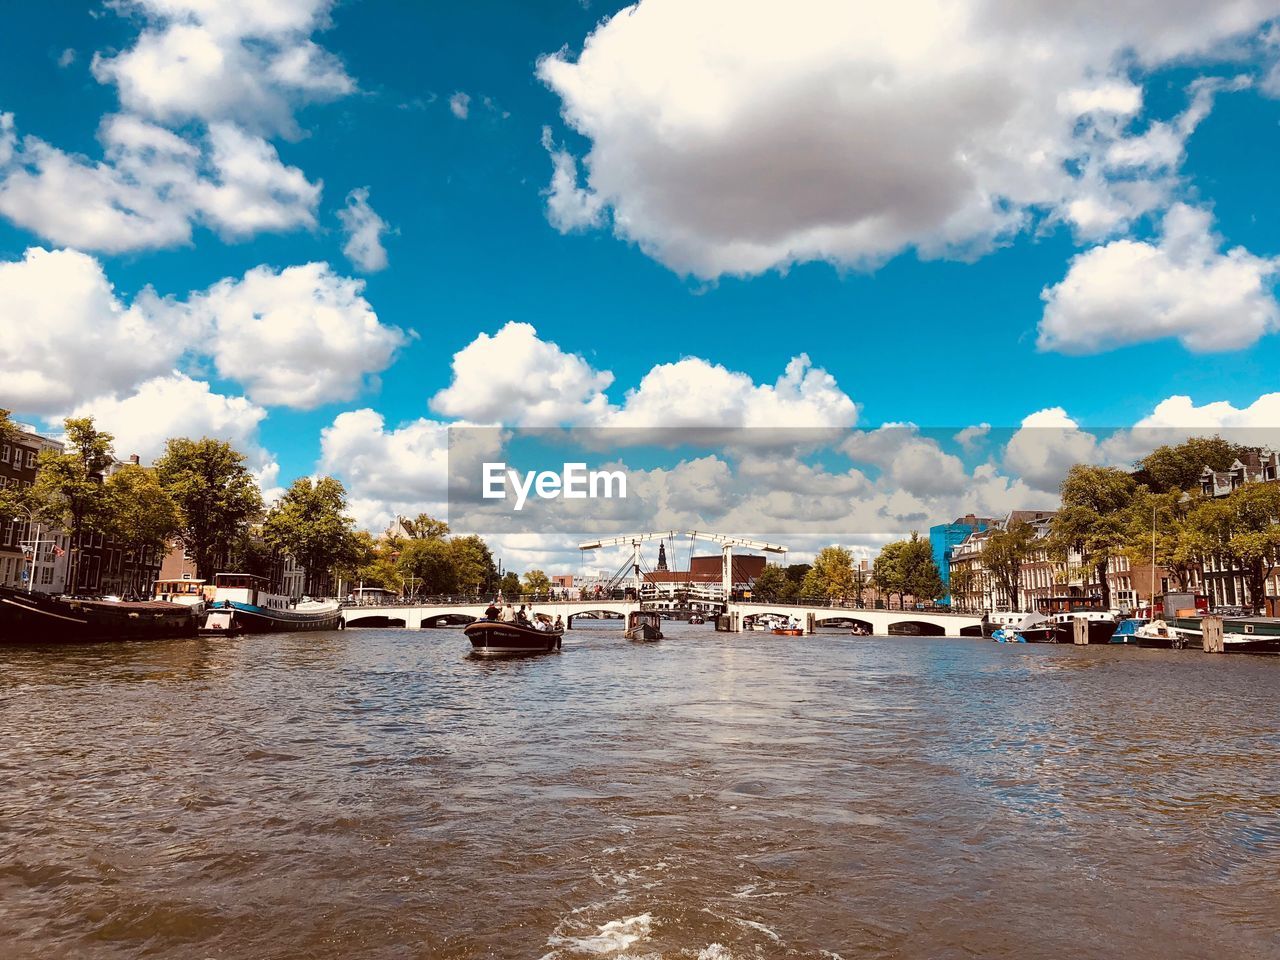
x,y
380,793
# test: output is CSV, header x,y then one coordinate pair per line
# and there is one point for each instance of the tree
x,y
1163,515
772,584
886,572
215,493
1003,555
310,523
831,577
429,562
424,527
1094,518
139,513
920,576
1242,530
69,490
963,584
537,583
473,564
509,585
1179,466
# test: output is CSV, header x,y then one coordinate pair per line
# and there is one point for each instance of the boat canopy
x,y
241,581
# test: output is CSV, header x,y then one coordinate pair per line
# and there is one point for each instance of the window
x,y
4,453
31,458
46,576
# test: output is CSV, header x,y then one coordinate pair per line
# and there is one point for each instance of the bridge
x,y
811,616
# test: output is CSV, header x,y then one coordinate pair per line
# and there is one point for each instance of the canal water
x,y
378,794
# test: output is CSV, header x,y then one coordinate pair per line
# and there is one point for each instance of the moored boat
x,y
1101,626
1239,634
643,625
40,618
242,604
499,638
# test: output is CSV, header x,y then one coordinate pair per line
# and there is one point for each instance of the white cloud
x,y
402,471
65,336
364,229
696,393
299,337
460,105
67,57
1046,446
908,461
150,186
732,138
1181,286
177,406
515,377
569,206
251,63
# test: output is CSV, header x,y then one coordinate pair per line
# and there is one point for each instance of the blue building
x,y
943,538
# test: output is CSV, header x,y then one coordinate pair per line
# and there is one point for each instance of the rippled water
x,y
379,794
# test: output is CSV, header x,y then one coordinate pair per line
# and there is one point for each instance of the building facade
x,y
945,537
31,555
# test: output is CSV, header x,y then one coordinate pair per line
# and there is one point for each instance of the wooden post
x,y
811,625
1211,628
1080,634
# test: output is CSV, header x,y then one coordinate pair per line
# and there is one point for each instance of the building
x,y
945,537
1224,583
702,584
562,581
31,555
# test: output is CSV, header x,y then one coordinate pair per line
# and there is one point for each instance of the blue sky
x,y
937,338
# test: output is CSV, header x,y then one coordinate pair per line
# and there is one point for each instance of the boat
x,y
242,604
697,619
1008,635
41,618
1127,631
1101,625
642,625
1239,634
183,590
1022,627
788,632
493,638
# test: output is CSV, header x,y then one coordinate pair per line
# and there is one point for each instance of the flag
x,y
58,551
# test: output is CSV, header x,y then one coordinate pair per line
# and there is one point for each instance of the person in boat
x,y
522,617
491,612
559,624
508,614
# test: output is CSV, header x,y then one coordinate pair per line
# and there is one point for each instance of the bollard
x,y
811,625
1080,631
1211,628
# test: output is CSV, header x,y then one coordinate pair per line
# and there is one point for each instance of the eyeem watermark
x,y
573,482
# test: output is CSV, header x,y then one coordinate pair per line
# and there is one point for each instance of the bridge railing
x,y
829,603
471,600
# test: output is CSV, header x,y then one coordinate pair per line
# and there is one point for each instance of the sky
x,y
326,230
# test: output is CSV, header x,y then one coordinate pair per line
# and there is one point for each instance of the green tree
x,y
310,523
772,584
537,583
831,577
428,566
1162,517
424,527
216,495
139,513
473,564
887,573
920,576
509,585
963,584
1094,519
1004,553
1178,466
1242,530
69,489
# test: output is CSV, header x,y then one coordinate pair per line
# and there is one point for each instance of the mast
x,y
1152,601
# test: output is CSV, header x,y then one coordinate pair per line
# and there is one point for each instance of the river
x,y
379,794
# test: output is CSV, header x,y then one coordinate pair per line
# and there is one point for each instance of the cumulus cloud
x,y
364,230
65,336
728,139
514,376
400,471
175,405
1181,285
247,62
151,186
1046,445
297,337
460,105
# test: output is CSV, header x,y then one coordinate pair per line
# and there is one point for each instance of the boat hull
x,y
644,632
35,618
1100,631
493,638
788,632
247,618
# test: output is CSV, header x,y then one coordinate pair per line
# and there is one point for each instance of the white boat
x,y
242,603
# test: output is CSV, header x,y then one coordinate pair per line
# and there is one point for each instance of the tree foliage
x,y
1178,466
216,496
140,514
536,583
906,567
831,576
773,585
310,523
1004,553
69,490
1240,530
1094,519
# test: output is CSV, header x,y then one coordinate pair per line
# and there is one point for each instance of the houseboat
x,y
242,603
643,625
41,618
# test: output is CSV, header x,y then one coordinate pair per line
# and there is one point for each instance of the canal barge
x,y
492,638
40,618
242,604
1239,634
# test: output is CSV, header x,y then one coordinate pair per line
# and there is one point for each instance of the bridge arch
x,y
916,628
373,621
